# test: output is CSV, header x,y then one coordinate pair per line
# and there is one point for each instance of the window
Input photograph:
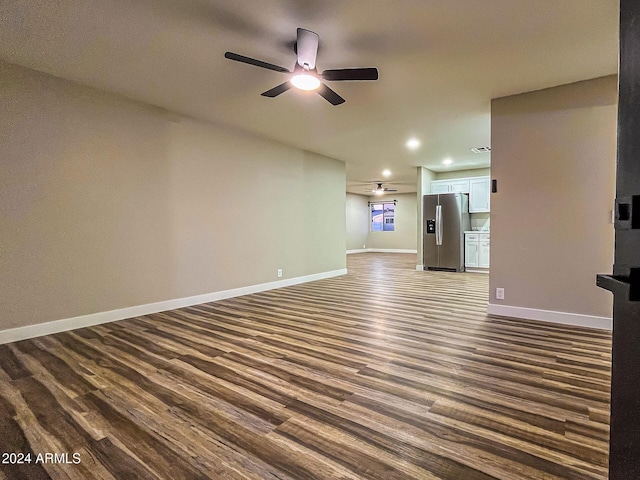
x,y
382,217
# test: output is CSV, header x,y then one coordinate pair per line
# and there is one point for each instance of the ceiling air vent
x,y
480,149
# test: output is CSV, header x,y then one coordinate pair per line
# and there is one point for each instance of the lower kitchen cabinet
x,y
483,253
470,250
477,250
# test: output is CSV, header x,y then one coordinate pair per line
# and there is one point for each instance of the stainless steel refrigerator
x,y
446,217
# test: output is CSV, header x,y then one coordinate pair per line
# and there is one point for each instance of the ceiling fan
x,y
305,75
379,190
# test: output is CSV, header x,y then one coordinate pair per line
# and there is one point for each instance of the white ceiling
x,y
440,64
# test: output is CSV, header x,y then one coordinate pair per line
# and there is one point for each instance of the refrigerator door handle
x,y
439,225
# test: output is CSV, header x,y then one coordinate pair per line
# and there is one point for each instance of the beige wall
x,y
553,154
106,203
357,221
424,179
404,235
359,218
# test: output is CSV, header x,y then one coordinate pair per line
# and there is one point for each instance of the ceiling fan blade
x,y
351,74
307,48
329,95
275,91
253,61
390,190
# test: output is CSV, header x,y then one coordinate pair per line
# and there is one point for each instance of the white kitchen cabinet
x,y
478,188
479,194
440,187
450,186
470,250
459,186
483,252
477,250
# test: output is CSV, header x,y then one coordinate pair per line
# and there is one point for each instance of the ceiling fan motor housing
x,y
306,50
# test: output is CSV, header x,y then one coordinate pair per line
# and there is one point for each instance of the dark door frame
x,y
624,443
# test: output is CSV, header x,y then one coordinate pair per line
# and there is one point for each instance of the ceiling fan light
x,y
305,81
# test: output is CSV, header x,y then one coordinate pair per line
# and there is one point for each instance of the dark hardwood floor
x,y
385,373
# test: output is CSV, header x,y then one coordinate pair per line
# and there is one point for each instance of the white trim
x,y
603,323
473,270
381,250
392,250
419,268
47,328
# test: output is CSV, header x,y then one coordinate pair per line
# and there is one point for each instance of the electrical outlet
x,y
279,272
364,246
499,293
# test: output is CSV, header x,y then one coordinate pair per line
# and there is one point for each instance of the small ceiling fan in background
x,y
379,190
377,187
305,75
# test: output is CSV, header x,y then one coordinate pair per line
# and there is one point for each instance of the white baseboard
x,y
382,250
56,326
565,318
472,270
419,268
392,250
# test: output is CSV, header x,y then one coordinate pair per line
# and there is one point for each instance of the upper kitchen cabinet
x,y
450,186
459,186
440,187
479,194
478,188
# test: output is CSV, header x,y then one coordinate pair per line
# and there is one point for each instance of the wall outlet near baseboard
x,y
364,246
279,272
499,293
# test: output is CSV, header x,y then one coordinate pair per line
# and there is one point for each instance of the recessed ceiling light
x,y
412,143
386,173
447,161
305,81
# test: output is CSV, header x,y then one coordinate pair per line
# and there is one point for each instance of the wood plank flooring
x,y
384,373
